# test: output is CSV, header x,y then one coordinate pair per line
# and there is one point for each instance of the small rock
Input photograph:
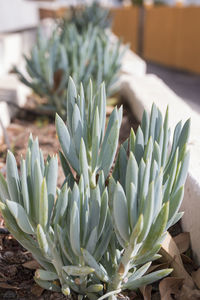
x,y
8,254
10,295
11,271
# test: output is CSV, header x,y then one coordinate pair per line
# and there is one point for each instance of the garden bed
x,y
17,265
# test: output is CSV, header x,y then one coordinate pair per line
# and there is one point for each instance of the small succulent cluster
x,y
85,55
94,14
98,234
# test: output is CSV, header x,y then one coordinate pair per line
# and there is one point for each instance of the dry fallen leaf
x,y
187,260
188,293
32,265
170,286
36,290
157,267
5,285
189,264
196,277
170,253
180,272
182,241
146,292
129,294
155,296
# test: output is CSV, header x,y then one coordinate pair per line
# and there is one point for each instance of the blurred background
x,y
165,33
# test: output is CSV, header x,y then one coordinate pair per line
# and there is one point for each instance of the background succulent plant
x,y
83,16
98,234
90,55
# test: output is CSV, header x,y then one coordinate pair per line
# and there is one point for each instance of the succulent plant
x,y
99,233
87,147
93,56
89,14
86,56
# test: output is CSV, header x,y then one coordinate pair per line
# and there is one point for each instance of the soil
x,y
16,263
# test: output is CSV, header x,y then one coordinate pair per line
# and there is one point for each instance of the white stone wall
x,y
18,15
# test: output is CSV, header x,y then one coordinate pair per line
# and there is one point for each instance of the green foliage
x,y
86,145
137,2
89,55
98,234
90,14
